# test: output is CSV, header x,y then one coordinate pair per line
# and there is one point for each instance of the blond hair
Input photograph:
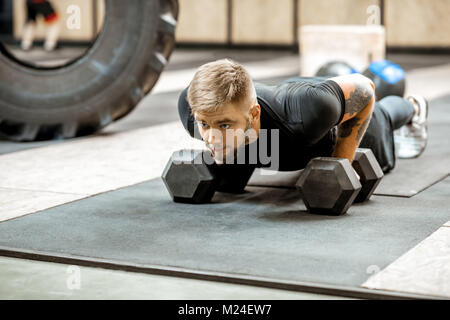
x,y
219,82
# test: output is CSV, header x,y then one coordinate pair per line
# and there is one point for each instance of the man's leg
x,y
401,111
412,138
389,114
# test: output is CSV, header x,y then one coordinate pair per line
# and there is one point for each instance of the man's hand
x,y
359,93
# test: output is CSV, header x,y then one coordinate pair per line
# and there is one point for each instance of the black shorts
x,y
43,8
379,137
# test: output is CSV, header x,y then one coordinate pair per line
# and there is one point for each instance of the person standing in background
x,y
51,18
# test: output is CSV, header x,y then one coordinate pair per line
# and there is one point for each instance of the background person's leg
x,y
51,39
28,35
29,28
52,23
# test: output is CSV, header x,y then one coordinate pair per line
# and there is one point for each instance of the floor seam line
x,y
45,191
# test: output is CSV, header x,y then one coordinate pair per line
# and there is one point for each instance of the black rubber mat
x,y
410,176
263,233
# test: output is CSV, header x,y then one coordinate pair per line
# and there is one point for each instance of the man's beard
x,y
248,126
236,150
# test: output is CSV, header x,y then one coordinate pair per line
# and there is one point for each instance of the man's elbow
x,y
364,91
367,88
372,85
366,85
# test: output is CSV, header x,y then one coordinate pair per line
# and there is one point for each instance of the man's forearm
x,y
359,93
351,132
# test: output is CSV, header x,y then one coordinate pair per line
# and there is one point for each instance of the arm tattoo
x,y
359,98
362,129
345,128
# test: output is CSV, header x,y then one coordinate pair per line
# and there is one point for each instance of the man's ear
x,y
255,112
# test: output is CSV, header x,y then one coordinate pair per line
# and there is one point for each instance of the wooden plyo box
x,y
357,45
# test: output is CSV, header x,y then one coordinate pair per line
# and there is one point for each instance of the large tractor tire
x,y
103,85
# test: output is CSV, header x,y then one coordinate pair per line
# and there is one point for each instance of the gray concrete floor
x,y
26,279
38,57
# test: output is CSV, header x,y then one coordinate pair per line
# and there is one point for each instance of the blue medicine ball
x,y
388,77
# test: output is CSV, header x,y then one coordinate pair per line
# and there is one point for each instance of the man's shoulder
x,y
269,92
292,85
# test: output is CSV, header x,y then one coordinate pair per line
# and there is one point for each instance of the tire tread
x,y
12,130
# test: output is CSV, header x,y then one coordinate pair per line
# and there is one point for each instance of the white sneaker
x,y
28,36
51,39
411,139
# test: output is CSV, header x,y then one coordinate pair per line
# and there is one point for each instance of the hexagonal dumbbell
x,y
369,171
328,185
192,176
